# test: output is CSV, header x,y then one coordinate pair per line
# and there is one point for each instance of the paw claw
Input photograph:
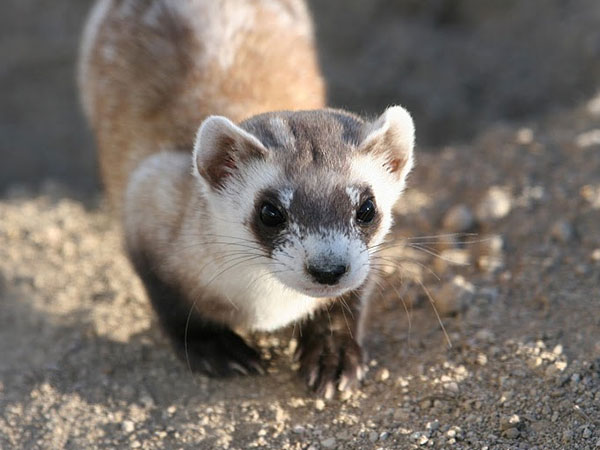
x,y
312,378
344,383
222,353
330,364
329,391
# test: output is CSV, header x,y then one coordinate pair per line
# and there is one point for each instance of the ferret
x,y
246,203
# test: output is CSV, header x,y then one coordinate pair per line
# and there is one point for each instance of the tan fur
x,y
152,70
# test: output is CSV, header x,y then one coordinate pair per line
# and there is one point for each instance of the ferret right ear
x,y
221,146
392,137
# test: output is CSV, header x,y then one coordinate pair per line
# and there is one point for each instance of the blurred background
x,y
458,65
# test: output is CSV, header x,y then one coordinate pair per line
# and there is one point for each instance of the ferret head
x,y
308,192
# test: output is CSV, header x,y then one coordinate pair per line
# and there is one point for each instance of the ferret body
x,y
272,217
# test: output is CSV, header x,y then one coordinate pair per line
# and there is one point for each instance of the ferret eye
x,y
270,215
366,212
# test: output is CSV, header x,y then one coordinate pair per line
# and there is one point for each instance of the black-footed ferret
x,y
272,217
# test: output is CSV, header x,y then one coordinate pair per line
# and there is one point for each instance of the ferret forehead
x,y
302,140
317,208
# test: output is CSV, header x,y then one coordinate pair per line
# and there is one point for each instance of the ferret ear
x,y
391,137
220,147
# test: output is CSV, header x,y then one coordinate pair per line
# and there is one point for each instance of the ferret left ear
x,y
391,137
221,146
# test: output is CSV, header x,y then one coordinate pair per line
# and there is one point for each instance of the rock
x,y
593,106
588,139
458,219
524,136
562,231
492,244
452,387
454,296
595,256
319,404
373,436
495,205
328,443
507,422
511,433
433,426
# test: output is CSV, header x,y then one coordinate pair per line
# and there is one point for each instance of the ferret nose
x,y
329,275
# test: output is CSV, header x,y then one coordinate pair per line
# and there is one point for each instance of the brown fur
x,y
149,85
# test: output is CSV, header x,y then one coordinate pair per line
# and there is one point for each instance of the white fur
x,y
354,195
325,245
286,196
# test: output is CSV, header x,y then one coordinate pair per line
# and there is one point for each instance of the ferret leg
x,y
208,347
329,351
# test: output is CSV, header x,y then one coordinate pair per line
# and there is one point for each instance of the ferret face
x,y
318,235
311,192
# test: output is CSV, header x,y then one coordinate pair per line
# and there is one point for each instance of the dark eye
x,y
366,212
270,215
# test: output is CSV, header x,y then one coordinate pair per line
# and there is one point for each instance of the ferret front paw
x,y
221,353
330,361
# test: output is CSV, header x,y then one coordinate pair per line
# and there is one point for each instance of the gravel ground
x,y
84,364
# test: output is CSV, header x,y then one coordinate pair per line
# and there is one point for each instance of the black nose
x,y
328,274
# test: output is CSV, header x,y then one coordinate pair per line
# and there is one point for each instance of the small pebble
x,y
587,433
128,426
567,436
596,255
373,436
343,435
562,231
495,205
320,404
384,374
458,219
147,401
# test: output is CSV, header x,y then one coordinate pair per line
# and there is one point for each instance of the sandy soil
x,y
84,364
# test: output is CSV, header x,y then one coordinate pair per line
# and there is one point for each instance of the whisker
x,y
436,313
437,255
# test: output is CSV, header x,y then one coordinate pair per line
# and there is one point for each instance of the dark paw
x,y
329,362
221,353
